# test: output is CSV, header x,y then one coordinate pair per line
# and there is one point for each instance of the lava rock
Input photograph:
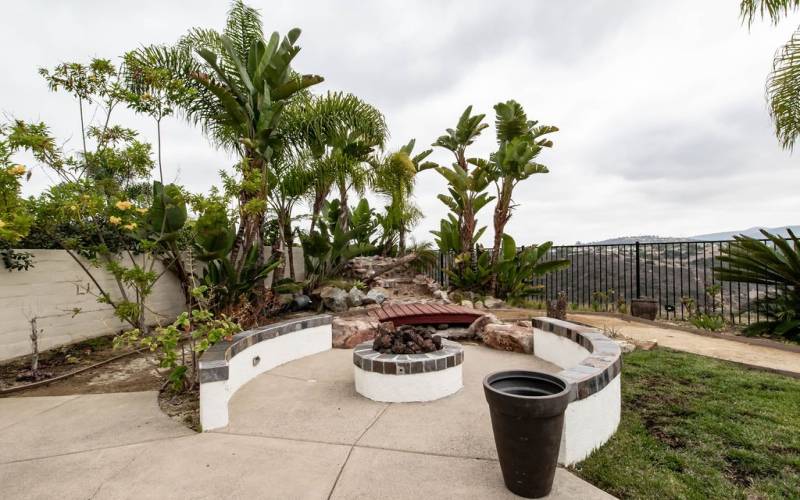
x,y
301,302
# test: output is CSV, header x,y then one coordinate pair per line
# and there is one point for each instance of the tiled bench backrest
x,y
598,369
214,362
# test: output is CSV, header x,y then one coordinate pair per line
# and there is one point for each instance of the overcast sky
x,y
664,128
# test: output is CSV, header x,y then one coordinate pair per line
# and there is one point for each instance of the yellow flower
x,y
17,170
74,208
130,227
141,210
114,220
2,224
123,205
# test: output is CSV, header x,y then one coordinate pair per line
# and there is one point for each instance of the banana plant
x,y
520,141
516,269
466,188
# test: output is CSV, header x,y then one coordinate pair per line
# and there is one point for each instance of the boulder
x,y
355,297
478,326
440,294
349,332
646,345
509,337
625,346
334,299
375,296
493,303
301,302
468,304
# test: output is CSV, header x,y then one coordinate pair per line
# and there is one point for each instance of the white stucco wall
x,y
55,287
408,388
588,422
214,396
558,350
58,292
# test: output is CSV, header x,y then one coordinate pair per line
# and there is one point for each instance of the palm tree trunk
x,y
401,240
250,223
344,215
501,218
319,200
288,238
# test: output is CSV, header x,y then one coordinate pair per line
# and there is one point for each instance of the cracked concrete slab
x,y
312,409
13,410
87,422
226,466
411,476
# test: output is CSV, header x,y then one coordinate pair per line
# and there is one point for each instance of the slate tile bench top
x,y
598,369
214,362
450,355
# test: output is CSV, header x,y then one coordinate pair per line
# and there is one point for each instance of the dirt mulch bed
x,y
65,360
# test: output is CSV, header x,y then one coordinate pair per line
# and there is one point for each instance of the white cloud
x,y
663,124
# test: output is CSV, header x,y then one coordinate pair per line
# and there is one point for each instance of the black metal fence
x,y
678,275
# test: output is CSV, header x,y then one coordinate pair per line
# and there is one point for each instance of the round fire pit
x,y
405,378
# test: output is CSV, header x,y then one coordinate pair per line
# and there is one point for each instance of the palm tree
x,y
239,85
520,142
289,180
777,264
783,83
342,132
394,178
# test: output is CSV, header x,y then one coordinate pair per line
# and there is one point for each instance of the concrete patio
x,y
298,431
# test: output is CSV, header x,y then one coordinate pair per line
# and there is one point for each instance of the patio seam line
x,y
365,446
292,377
119,471
350,451
99,448
72,397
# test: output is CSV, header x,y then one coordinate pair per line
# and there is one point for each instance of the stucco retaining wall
x,y
57,291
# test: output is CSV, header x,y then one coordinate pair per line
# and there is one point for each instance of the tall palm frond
x,y
783,84
774,9
783,92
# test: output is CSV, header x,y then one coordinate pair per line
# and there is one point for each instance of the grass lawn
x,y
694,427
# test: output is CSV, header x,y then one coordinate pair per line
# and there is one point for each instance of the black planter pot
x,y
527,410
645,308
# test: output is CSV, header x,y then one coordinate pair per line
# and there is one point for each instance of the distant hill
x,y
647,238
753,232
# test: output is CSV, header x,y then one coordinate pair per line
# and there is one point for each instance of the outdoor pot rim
x,y
555,378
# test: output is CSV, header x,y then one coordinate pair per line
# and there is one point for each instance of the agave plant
x,y
774,263
327,249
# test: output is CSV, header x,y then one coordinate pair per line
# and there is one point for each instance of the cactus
x,y
215,235
168,212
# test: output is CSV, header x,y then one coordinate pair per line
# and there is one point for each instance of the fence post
x,y
638,283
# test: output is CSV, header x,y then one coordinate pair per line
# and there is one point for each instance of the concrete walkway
x,y
299,431
728,350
